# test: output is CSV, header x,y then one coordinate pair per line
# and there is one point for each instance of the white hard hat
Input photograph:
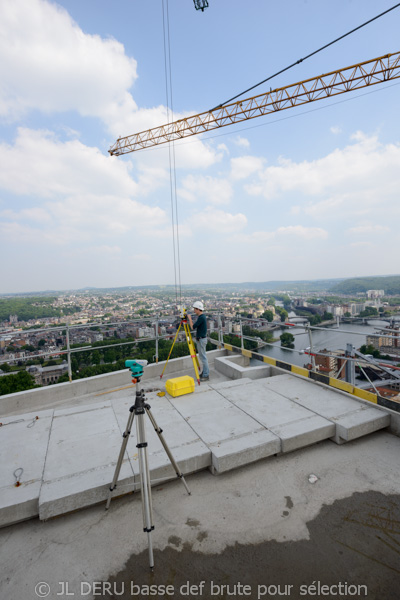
x,y
198,304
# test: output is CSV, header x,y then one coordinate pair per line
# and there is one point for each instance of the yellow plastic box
x,y
180,386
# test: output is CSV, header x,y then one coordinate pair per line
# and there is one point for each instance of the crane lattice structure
x,y
348,79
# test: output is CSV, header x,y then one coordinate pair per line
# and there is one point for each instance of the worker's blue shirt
x,y
200,326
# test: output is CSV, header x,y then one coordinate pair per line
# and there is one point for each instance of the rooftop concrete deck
x,y
68,455
248,525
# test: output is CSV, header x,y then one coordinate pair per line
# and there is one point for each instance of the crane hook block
x,y
200,4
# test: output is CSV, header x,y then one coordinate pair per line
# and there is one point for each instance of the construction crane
x,y
348,79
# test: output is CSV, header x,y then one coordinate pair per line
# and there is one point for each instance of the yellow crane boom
x,y
355,77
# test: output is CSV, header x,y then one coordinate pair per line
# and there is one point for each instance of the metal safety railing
x,y
217,317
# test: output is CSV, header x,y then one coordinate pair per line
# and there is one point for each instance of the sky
x,y
307,193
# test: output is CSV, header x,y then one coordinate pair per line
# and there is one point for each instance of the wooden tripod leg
x,y
170,352
192,351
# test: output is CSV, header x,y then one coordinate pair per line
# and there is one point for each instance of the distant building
x,y
47,375
331,365
145,332
388,342
375,293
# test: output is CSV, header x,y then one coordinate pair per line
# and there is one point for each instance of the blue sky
x,y
308,193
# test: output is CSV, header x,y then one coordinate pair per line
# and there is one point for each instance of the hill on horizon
x,y
389,283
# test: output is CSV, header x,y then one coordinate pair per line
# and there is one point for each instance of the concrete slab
x,y
231,454
295,425
238,367
24,441
203,402
69,455
362,422
340,529
83,450
351,417
230,383
233,437
188,450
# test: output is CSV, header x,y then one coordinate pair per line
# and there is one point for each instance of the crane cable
x,y
171,153
305,57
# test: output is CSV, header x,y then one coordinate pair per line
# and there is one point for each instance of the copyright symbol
x,y
42,589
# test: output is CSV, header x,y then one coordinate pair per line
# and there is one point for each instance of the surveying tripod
x,y
139,409
190,343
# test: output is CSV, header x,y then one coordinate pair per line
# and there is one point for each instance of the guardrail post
x,y
157,340
350,365
220,334
241,333
69,357
311,348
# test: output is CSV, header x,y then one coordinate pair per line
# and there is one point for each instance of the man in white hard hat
x,y
201,337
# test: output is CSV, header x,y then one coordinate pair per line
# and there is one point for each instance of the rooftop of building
x,y
293,483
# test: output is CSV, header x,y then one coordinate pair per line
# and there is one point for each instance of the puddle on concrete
x,y
355,542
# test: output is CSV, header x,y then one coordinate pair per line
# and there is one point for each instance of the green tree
x,y
287,340
109,355
96,357
9,384
28,348
369,311
282,313
315,320
268,315
370,350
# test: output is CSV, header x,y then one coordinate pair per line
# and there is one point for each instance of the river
x,y
331,339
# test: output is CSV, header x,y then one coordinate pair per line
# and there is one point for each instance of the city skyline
x,y
305,194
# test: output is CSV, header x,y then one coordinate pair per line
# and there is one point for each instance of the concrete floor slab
x,y
351,417
230,383
222,425
231,454
204,402
304,432
295,425
24,441
82,454
362,422
263,524
188,451
311,395
234,437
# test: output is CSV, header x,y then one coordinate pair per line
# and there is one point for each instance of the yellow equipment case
x,y
180,386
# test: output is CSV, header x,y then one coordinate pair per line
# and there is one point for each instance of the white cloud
x,y
72,190
362,178
361,245
242,142
48,63
282,234
219,221
368,229
102,252
244,166
206,189
39,164
308,233
336,130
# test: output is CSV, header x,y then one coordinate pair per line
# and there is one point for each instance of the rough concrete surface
x,y
261,525
222,425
